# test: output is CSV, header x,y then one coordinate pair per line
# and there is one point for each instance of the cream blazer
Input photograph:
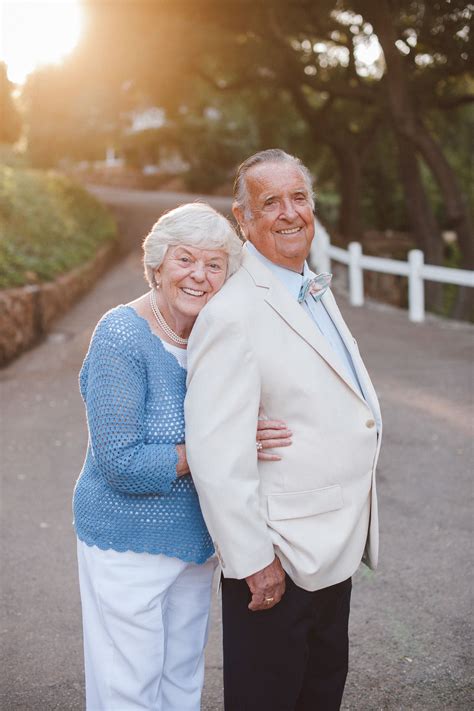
x,y
255,352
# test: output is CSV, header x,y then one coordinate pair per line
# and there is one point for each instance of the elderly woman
x,y
145,556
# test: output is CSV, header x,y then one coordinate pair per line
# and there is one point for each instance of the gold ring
x,y
268,600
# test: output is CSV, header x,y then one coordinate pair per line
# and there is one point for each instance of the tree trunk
x,y
421,216
350,182
349,157
454,203
457,213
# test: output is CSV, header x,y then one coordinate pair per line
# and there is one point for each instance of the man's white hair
x,y
194,224
271,155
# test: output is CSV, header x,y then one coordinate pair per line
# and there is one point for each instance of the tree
x,y
10,124
298,50
345,104
441,30
348,85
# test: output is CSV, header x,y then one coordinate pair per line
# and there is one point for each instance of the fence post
x,y
416,291
356,277
320,250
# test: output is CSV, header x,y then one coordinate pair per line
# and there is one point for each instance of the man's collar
x,y
292,280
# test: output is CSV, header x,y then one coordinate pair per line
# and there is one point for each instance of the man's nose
x,y
288,209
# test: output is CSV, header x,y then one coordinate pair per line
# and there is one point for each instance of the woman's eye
x,y
300,198
214,266
185,259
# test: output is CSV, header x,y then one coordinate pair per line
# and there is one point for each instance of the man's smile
x,y
289,231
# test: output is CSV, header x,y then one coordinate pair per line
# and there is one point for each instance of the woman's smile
x,y
192,292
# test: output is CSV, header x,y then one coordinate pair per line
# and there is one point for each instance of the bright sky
x,y
37,32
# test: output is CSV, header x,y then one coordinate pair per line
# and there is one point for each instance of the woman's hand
x,y
270,434
182,466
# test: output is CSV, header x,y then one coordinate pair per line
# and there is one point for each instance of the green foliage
x,y
455,130
213,143
212,153
48,225
68,118
383,200
12,157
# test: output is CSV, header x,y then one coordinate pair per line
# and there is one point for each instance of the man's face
x,y
281,223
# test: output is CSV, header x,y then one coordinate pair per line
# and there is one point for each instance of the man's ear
x,y
239,216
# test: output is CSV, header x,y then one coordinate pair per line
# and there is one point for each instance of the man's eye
x,y
184,259
301,198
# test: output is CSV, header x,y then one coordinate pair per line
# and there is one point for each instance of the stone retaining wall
x,y
26,313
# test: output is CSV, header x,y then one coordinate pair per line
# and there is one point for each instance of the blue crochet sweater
x,y
128,496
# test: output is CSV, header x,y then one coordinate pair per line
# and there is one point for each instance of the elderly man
x,y
290,534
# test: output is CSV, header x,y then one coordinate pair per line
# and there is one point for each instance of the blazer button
x,y
370,424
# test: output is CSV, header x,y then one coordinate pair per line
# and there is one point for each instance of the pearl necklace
x,y
162,323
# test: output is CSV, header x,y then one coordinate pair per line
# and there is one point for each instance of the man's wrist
x,y
240,566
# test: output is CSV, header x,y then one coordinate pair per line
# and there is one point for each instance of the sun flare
x,y
37,32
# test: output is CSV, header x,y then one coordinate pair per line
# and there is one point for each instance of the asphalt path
x,y
411,629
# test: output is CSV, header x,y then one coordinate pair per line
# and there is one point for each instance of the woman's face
x,y
188,278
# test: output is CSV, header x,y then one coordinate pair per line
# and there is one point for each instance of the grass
x,y
48,226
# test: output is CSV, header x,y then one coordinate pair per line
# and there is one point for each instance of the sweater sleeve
x,y
114,392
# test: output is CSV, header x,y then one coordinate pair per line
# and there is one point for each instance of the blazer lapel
x,y
349,341
278,297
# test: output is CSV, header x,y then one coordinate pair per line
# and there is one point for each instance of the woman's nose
x,y
199,273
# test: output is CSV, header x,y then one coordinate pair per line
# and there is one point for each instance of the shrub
x,y
48,226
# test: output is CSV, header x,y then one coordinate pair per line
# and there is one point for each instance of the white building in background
x,y
145,119
150,118
111,159
154,118
171,163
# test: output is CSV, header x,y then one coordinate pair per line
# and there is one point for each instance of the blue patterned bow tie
x,y
317,286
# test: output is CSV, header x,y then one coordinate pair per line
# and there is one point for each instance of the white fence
x,y
415,269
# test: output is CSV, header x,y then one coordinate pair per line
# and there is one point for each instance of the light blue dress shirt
x,y
315,309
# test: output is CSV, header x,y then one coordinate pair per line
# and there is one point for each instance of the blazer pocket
x,y
298,504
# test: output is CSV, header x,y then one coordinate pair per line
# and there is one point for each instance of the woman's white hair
x,y
194,224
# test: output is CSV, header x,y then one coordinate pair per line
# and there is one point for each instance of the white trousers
x,y
145,620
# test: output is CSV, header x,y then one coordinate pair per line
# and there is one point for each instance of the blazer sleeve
x,y
221,411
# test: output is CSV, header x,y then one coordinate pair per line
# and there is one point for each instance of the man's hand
x,y
267,586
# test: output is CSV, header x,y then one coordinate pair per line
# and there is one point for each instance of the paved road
x,y
410,626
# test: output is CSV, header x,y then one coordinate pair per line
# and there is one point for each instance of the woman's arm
x,y
270,434
115,393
